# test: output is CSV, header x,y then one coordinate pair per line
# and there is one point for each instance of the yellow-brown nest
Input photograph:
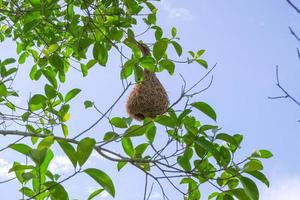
x,y
147,99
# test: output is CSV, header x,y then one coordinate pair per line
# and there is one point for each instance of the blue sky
x,y
247,39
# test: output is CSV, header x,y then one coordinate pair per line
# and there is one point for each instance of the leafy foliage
x,y
60,36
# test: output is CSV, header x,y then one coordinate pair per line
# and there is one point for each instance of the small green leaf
x,y
158,32
69,151
135,131
260,176
57,191
127,146
118,122
50,91
121,165
206,109
36,102
57,62
88,104
46,143
165,121
173,32
250,188
3,90
71,94
253,165
95,193
140,149
100,53
148,62
262,154
177,48
8,61
227,138
168,65
102,179
159,48
65,130
150,134
202,62
200,53
127,69
84,149
240,194
110,136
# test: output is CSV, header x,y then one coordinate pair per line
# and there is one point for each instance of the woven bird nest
x,y
147,99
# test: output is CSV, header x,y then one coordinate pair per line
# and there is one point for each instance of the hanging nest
x,y
147,99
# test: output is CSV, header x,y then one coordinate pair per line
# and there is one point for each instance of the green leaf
x,y
36,102
158,32
28,27
206,109
202,62
159,48
65,130
8,61
260,176
38,156
148,62
250,188
121,165
127,69
173,32
168,65
118,122
100,53
134,131
200,53
166,121
227,138
110,136
52,48
193,189
50,91
212,195
71,94
84,70
177,48
127,146
69,151
35,3
88,104
57,62
150,134
253,165
57,191
140,149
240,194
262,154
102,179
46,143
50,76
95,193
84,149
33,72
20,168
21,148
3,90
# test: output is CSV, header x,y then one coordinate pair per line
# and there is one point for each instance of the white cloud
x,y
286,188
4,168
60,165
176,13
